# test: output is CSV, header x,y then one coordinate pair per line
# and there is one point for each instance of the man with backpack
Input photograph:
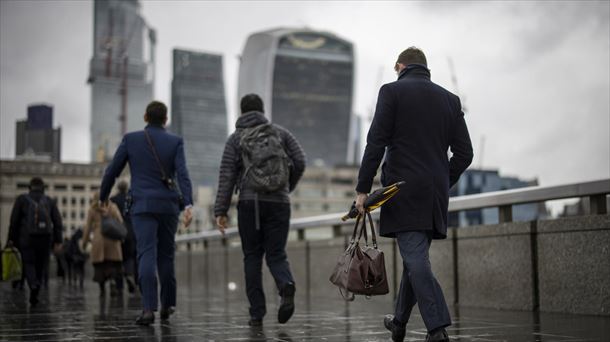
x,y
35,226
264,162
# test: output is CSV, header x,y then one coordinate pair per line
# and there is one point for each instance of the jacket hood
x,y
251,119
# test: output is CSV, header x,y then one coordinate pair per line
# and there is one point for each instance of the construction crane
x,y
456,88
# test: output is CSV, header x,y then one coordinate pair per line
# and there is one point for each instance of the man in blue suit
x,y
416,121
155,157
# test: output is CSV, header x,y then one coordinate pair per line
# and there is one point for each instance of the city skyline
x,y
541,111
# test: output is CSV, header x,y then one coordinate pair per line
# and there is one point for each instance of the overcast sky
x,y
534,76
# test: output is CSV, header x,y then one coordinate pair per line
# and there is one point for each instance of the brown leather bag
x,y
361,271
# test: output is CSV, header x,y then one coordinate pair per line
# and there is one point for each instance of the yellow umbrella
x,y
375,200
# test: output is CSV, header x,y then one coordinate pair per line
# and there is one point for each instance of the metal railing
x,y
596,191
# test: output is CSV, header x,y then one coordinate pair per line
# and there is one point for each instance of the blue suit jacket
x,y
149,193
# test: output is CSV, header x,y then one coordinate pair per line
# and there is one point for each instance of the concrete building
x,y
119,66
475,181
70,185
199,112
36,138
306,80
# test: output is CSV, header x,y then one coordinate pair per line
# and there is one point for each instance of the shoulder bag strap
x,y
154,151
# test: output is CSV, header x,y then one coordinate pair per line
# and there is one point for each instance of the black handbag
x,y
167,181
113,229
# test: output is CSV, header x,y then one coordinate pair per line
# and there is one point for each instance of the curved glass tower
x,y
306,80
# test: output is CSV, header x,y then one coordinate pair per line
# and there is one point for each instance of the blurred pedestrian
x,y
160,188
128,246
77,257
415,123
35,228
265,162
106,254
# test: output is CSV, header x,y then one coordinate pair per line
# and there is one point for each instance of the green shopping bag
x,y
11,264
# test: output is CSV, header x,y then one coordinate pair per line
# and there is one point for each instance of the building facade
x,y
199,112
475,181
36,138
70,185
121,73
306,80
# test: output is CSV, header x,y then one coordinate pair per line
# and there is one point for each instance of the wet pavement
x,y
67,313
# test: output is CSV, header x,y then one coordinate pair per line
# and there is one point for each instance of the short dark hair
x,y
250,103
156,113
36,184
412,55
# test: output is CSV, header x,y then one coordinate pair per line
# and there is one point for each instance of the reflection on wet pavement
x,y
67,313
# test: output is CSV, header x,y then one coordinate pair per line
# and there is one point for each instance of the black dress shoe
x,y
286,304
398,332
166,312
254,322
437,335
146,318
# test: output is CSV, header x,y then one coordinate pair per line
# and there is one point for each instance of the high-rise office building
x,y
121,73
306,80
199,112
36,138
475,181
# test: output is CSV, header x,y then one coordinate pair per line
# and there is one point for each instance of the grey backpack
x,y
266,164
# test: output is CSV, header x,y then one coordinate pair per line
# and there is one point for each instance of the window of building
x,y
64,201
60,187
73,215
23,185
82,215
83,201
78,187
63,214
95,187
73,201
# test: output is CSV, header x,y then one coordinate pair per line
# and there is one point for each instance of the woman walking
x,y
106,254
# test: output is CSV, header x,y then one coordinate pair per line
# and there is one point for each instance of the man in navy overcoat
x,y
416,122
155,206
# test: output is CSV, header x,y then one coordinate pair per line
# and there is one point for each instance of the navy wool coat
x,y
416,122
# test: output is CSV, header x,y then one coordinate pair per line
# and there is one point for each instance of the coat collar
x,y
154,126
415,70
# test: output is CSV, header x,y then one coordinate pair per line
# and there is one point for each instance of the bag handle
x,y
363,231
355,231
373,234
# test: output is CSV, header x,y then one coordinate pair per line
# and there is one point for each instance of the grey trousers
x,y
418,284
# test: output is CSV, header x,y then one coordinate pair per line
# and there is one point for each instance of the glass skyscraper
x,y
306,80
199,112
120,63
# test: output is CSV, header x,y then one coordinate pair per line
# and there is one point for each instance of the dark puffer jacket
x,y
231,166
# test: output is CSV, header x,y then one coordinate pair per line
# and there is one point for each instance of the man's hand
x,y
360,198
221,222
188,216
57,248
